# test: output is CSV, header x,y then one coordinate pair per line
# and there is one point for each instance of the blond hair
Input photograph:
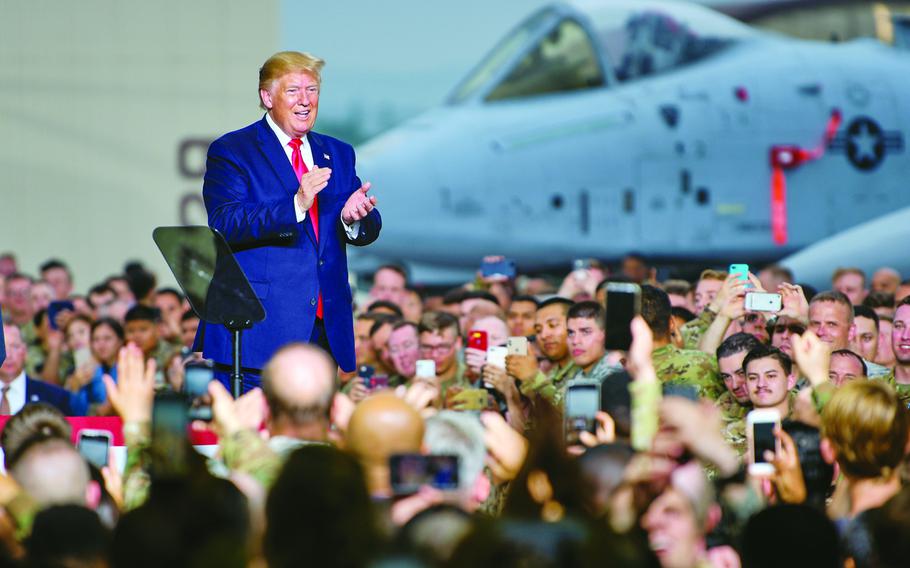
x,y
843,271
711,274
284,62
868,428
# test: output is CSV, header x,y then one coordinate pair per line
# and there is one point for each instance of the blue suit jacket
x,y
248,191
39,391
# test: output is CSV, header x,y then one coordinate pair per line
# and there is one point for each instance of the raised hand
x,y
359,205
133,394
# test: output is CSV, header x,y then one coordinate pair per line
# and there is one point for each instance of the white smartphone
x,y
426,369
82,356
517,345
763,302
760,425
496,355
95,446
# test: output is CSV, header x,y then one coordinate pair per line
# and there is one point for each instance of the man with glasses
x,y
440,340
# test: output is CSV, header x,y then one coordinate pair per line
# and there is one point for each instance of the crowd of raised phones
x,y
607,418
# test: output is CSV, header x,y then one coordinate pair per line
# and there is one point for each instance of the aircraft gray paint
x,y
661,145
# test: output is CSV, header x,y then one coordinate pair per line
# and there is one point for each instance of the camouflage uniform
x,y
688,367
552,386
458,380
876,371
692,331
903,391
733,414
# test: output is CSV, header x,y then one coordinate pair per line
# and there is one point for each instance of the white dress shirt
x,y
16,393
306,153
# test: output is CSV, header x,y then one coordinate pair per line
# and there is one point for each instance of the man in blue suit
x,y
288,200
16,388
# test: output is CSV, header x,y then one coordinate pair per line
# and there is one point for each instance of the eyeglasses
x,y
792,328
441,348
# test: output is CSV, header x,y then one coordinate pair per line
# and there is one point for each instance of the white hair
x,y
460,434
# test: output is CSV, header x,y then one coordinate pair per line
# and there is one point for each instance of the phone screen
x,y
503,267
582,401
170,419
197,377
621,307
409,472
94,448
762,439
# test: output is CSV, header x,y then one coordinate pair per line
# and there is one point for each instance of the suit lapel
x,y
323,159
280,164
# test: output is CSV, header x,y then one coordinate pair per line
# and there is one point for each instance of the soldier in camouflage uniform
x,y
706,307
734,403
674,365
586,345
552,333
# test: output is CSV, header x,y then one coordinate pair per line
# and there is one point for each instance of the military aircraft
x,y
600,127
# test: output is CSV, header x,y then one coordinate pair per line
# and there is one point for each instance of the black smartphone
x,y
196,378
366,372
410,472
622,305
95,446
54,309
169,446
582,402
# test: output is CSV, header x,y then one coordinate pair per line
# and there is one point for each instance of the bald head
x,y
299,384
886,280
53,473
383,425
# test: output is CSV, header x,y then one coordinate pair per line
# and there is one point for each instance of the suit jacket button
x,y
313,302
321,262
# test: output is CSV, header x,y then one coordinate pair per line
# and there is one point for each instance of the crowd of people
x,y
467,435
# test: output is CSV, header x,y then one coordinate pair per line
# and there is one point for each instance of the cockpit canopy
x,y
591,43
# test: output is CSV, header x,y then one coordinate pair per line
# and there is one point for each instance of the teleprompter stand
x,y
213,282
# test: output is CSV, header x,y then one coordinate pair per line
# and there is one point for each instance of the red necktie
x,y
300,169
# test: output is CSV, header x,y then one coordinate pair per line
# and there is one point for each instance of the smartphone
x,y
763,302
497,356
743,271
582,402
196,378
55,307
95,446
477,340
517,345
410,472
760,425
169,445
426,369
503,268
689,392
623,304
366,372
82,356
472,399
582,398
